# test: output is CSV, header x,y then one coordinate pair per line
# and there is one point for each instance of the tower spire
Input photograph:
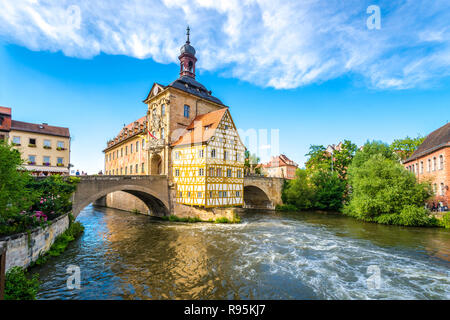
x,y
187,57
187,34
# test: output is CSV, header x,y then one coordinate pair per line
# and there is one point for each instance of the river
x,y
269,255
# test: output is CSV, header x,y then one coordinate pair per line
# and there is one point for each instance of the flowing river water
x,y
269,255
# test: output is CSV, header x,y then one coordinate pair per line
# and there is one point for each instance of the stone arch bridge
x,y
154,191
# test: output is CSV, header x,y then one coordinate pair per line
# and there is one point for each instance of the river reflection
x,y
269,256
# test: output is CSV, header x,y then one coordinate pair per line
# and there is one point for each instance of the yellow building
x,y
126,154
45,148
173,111
208,162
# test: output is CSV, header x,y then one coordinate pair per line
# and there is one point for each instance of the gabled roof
x,y
202,128
280,161
151,94
40,128
434,141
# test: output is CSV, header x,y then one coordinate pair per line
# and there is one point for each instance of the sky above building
x,y
305,72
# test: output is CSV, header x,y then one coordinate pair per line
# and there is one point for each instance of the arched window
x,y
441,162
434,164
191,65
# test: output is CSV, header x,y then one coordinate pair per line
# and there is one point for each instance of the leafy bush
x,y
19,287
445,222
15,194
174,218
55,194
313,189
299,192
329,190
384,192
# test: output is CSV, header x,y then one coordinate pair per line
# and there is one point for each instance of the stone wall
x,y
21,251
125,201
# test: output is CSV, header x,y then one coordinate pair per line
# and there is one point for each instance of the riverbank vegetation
x,y
369,184
19,286
27,202
174,218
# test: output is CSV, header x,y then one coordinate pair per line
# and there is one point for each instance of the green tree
x,y
383,191
371,148
406,147
343,158
15,195
318,158
328,190
299,192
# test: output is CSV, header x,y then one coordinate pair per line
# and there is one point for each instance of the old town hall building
x,y
187,135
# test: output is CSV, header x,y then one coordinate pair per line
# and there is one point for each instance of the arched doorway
x,y
255,198
156,164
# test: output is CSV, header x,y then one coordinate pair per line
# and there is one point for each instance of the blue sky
x,y
310,69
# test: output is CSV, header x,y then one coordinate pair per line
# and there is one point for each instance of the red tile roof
x,y
202,128
128,131
5,110
40,128
435,140
280,161
5,119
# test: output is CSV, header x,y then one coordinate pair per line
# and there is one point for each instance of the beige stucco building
x,y
45,149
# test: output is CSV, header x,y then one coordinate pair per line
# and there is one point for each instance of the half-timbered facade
x,y
208,162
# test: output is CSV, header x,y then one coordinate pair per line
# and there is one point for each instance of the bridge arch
x,y
152,191
262,192
256,198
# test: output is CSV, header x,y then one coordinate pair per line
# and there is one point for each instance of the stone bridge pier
x,y
262,192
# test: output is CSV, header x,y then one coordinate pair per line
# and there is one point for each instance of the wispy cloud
x,y
283,44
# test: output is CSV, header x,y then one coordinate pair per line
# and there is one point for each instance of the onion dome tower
x,y
187,58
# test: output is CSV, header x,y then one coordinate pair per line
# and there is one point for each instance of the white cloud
x,y
283,44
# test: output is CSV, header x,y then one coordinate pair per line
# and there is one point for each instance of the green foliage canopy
x,y
15,193
405,147
383,191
